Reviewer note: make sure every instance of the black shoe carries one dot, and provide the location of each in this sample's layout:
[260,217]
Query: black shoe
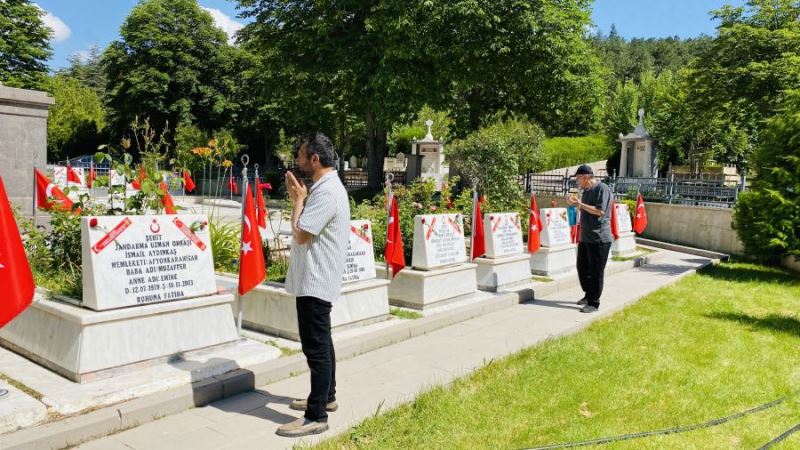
[589,309]
[582,301]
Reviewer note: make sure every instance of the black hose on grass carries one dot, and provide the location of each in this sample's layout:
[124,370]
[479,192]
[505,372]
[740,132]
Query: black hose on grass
[782,436]
[676,430]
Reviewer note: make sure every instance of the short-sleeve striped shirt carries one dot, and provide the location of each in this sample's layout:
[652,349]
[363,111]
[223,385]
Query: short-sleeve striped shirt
[315,269]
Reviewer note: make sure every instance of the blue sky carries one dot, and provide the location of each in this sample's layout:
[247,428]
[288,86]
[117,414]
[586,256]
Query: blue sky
[78,24]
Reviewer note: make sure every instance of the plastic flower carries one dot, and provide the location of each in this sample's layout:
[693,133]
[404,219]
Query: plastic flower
[227,163]
[212,143]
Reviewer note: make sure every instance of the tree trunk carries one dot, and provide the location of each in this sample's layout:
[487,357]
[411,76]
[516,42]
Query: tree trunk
[376,151]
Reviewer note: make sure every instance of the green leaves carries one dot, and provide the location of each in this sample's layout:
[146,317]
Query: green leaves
[25,45]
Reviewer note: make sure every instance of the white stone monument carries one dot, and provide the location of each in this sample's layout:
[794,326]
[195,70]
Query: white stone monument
[505,263]
[639,157]
[558,253]
[432,165]
[363,299]
[625,244]
[149,281]
[439,271]
[353,162]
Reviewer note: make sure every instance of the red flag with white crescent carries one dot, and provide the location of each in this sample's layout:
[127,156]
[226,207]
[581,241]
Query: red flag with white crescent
[478,235]
[169,205]
[46,190]
[640,217]
[72,175]
[393,251]
[252,270]
[261,208]
[188,181]
[534,227]
[16,277]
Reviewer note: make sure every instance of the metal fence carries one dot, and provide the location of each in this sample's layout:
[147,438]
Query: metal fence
[356,178]
[717,191]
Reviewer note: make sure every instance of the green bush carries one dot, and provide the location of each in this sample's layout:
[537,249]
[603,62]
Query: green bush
[401,138]
[225,242]
[101,181]
[767,217]
[495,156]
[570,151]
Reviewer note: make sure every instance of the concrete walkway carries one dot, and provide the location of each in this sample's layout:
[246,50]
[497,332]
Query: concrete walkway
[384,378]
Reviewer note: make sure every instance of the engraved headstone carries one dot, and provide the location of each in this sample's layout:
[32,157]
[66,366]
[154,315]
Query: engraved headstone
[137,260]
[503,233]
[360,262]
[555,222]
[623,218]
[438,241]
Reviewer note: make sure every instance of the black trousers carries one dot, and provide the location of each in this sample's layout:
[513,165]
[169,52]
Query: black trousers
[592,258]
[314,323]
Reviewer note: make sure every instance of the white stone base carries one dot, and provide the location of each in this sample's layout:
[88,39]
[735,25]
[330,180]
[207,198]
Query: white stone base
[83,345]
[554,260]
[625,245]
[270,309]
[502,273]
[420,289]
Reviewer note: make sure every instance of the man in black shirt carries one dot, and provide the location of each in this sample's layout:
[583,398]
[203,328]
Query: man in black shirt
[595,236]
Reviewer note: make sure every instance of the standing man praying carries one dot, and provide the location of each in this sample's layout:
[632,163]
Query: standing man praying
[320,234]
[595,236]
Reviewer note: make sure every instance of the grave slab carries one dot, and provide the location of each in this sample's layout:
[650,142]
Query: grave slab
[83,345]
[625,245]
[554,260]
[421,289]
[497,274]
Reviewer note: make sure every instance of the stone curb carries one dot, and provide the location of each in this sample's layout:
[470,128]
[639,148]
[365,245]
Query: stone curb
[683,249]
[113,419]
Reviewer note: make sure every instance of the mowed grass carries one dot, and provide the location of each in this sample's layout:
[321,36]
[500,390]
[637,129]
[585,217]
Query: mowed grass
[713,344]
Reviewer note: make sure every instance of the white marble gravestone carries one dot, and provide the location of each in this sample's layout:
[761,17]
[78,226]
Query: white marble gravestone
[137,260]
[623,217]
[557,254]
[625,244]
[504,264]
[115,178]
[360,262]
[438,241]
[556,229]
[503,233]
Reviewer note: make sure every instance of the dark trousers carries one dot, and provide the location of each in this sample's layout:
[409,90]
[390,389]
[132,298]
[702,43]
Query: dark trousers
[592,258]
[314,322]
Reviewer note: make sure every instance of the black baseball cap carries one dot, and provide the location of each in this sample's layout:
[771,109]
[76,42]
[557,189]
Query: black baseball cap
[584,170]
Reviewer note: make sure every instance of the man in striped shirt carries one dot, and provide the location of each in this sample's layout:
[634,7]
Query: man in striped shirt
[320,227]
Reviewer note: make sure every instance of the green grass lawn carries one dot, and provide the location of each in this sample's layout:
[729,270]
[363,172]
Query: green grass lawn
[711,345]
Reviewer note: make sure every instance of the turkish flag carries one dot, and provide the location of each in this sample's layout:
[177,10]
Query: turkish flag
[15,273]
[252,270]
[169,206]
[534,227]
[91,178]
[614,222]
[188,182]
[261,208]
[45,189]
[232,186]
[393,251]
[72,175]
[478,238]
[640,218]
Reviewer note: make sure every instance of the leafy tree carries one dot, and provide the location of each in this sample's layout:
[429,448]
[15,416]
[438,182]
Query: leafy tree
[767,217]
[172,65]
[380,61]
[88,70]
[76,122]
[24,46]
[742,79]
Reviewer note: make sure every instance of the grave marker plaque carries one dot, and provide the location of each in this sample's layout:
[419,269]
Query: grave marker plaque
[503,233]
[360,263]
[556,227]
[438,241]
[138,260]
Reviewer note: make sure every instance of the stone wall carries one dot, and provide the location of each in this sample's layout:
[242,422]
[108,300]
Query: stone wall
[693,226]
[23,139]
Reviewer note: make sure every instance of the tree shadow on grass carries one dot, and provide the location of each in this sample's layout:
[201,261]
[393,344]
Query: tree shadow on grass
[771,322]
[750,273]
